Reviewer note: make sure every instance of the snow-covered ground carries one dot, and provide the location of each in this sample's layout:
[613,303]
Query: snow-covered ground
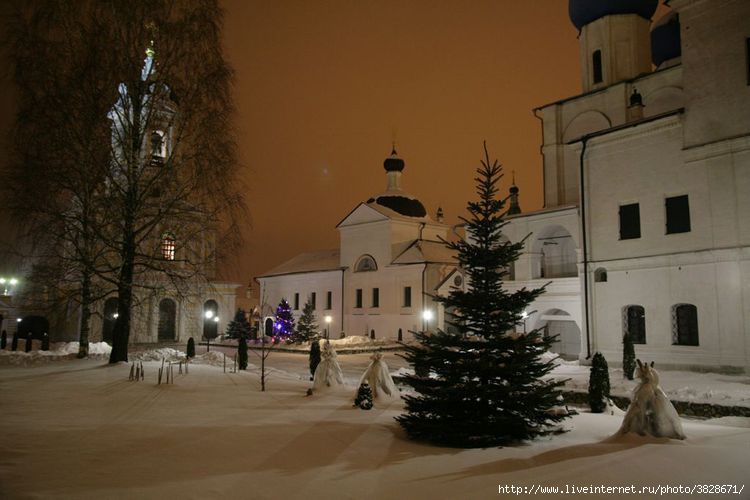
[80,429]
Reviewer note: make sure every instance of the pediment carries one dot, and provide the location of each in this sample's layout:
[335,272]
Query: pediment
[362,214]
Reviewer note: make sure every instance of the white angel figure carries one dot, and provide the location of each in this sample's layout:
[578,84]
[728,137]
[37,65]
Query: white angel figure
[651,412]
[378,377]
[328,373]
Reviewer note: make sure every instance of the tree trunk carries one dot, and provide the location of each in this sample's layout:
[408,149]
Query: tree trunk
[83,341]
[121,333]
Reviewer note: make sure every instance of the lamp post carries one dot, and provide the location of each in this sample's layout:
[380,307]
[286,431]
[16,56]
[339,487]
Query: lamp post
[328,320]
[525,315]
[427,316]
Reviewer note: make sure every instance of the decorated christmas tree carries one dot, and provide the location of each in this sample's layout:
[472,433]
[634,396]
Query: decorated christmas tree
[364,397]
[598,384]
[239,326]
[484,385]
[283,327]
[307,328]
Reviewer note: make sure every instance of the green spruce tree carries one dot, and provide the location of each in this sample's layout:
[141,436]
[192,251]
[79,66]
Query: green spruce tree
[598,383]
[191,348]
[314,357]
[628,356]
[239,326]
[307,327]
[242,353]
[485,385]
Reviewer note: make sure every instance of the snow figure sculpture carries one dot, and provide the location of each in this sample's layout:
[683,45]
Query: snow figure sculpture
[328,373]
[651,412]
[378,377]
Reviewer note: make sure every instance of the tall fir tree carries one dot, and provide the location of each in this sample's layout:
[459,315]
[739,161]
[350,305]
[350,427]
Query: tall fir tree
[283,327]
[239,327]
[484,385]
[628,356]
[598,383]
[307,327]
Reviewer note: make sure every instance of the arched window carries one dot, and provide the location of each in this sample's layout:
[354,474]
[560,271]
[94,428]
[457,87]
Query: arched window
[365,263]
[634,323]
[600,275]
[684,324]
[168,246]
[158,145]
[596,66]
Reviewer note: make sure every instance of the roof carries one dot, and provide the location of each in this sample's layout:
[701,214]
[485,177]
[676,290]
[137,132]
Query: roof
[426,251]
[309,262]
[623,126]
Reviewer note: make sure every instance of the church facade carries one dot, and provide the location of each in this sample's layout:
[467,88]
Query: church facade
[646,224]
[382,280]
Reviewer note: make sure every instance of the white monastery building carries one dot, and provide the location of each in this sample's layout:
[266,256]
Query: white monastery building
[389,266]
[646,223]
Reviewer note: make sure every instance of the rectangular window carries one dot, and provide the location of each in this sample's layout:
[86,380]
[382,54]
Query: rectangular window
[312,300]
[596,63]
[376,297]
[630,221]
[358,298]
[678,214]
[685,324]
[329,300]
[296,301]
[407,296]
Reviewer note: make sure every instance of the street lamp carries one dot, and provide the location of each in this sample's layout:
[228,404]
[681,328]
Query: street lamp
[427,316]
[209,314]
[328,319]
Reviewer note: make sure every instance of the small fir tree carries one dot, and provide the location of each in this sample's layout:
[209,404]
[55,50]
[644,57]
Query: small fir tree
[364,397]
[14,342]
[239,326]
[191,348]
[598,384]
[314,357]
[283,327]
[628,356]
[485,385]
[242,353]
[3,340]
[307,327]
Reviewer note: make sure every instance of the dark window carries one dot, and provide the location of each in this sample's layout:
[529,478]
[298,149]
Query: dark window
[600,275]
[329,300]
[630,221]
[747,58]
[376,297]
[407,296]
[296,301]
[685,325]
[312,299]
[358,298]
[678,214]
[596,61]
[635,324]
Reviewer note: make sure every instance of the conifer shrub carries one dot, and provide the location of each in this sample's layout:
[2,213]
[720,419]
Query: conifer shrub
[598,384]
[314,357]
[628,357]
[242,353]
[3,340]
[191,348]
[364,397]
[28,343]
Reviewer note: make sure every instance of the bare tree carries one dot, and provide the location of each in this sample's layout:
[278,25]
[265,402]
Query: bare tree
[165,188]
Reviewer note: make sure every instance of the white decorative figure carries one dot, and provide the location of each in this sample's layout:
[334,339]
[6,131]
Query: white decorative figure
[651,412]
[328,373]
[378,377]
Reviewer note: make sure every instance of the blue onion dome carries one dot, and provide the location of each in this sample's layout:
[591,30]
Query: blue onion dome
[583,12]
[393,163]
[665,39]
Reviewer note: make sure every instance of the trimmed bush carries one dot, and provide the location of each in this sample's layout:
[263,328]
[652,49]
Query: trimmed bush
[191,348]
[45,342]
[598,384]
[314,357]
[242,353]
[364,397]
[3,340]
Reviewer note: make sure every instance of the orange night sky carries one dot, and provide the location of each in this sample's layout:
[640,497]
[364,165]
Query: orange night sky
[323,88]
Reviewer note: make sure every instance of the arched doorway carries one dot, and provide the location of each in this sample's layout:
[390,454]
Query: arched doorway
[167,320]
[34,326]
[109,319]
[210,319]
[560,323]
[554,251]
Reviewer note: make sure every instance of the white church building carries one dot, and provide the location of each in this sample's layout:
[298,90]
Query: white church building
[382,280]
[646,223]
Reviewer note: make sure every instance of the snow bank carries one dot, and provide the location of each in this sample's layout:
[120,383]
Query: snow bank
[165,353]
[60,351]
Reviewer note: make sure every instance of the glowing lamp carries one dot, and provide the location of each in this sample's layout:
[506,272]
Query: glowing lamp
[427,315]
[209,314]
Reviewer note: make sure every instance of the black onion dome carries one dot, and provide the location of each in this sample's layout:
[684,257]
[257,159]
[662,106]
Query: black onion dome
[513,189]
[393,163]
[665,39]
[410,207]
[583,12]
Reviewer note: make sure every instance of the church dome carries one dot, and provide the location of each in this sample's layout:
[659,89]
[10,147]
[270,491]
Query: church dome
[665,39]
[400,203]
[583,12]
[393,163]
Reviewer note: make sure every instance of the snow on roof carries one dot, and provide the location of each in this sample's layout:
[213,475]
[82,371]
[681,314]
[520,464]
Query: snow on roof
[426,251]
[322,260]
